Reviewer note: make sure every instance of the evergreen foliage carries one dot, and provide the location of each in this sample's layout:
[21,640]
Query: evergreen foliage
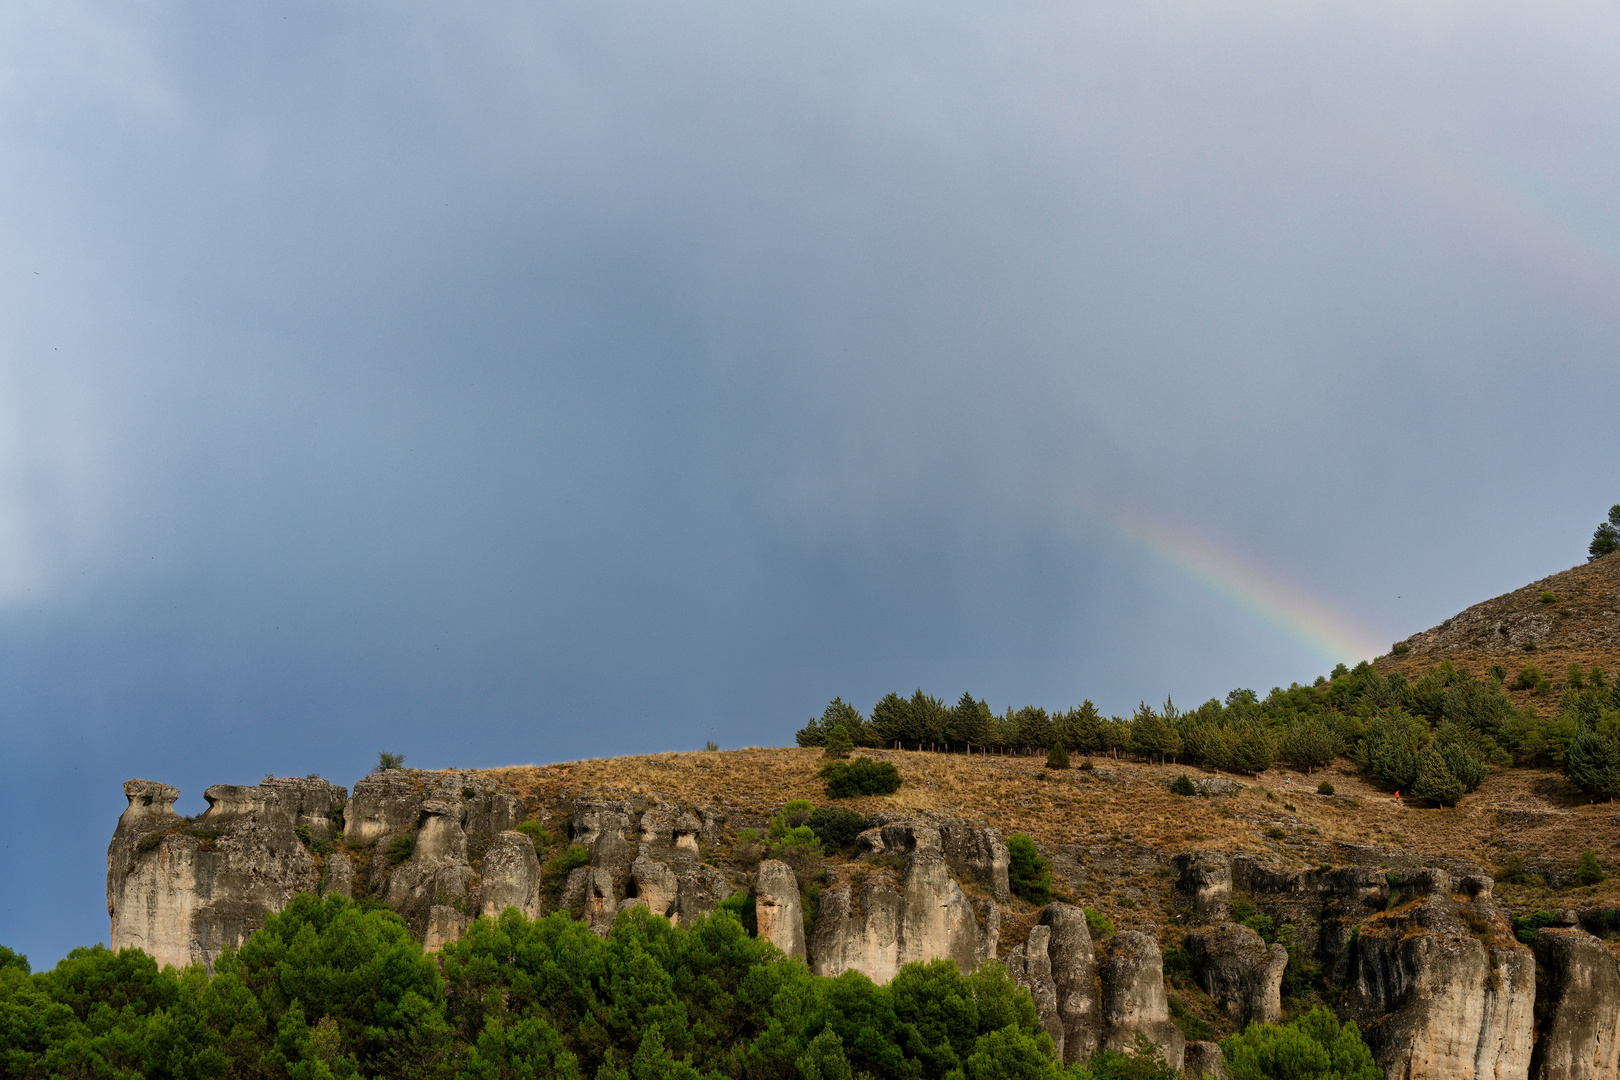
[1607,536]
[863,776]
[1435,781]
[1314,1047]
[1028,874]
[836,827]
[1057,757]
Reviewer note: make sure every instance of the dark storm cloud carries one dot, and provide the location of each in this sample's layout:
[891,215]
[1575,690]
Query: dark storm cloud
[580,379]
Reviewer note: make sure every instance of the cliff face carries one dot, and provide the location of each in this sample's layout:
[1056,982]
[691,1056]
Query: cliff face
[186,890]
[1429,967]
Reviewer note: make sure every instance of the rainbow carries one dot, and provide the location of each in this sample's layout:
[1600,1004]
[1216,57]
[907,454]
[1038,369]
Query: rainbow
[1330,634]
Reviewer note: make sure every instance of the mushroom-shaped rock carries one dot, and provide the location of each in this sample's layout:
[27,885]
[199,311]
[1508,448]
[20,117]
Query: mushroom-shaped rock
[511,874]
[776,907]
[1239,971]
[1578,999]
[148,799]
[1133,999]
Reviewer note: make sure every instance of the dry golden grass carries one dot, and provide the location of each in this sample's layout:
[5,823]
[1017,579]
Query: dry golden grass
[1088,820]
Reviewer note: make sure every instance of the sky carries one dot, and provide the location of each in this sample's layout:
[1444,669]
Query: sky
[511,383]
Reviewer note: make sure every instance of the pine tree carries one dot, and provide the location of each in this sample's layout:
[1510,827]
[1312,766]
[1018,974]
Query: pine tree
[1593,758]
[839,743]
[1607,536]
[1435,781]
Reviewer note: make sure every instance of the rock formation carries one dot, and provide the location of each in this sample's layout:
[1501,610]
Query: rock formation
[511,876]
[1441,987]
[1056,965]
[925,915]
[184,890]
[1239,971]
[1204,1060]
[1577,1007]
[777,909]
[1133,999]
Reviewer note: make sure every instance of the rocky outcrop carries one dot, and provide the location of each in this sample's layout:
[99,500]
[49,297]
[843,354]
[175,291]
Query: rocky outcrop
[1204,1061]
[339,879]
[1133,998]
[185,890]
[593,895]
[1206,878]
[1239,971]
[311,803]
[384,804]
[1577,1007]
[511,876]
[923,916]
[1056,965]
[1440,986]
[777,909]
[971,852]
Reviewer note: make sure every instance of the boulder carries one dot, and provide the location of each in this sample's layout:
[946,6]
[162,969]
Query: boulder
[777,909]
[701,888]
[1239,971]
[1577,1007]
[511,876]
[1133,998]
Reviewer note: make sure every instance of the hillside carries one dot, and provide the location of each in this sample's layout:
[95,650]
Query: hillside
[1111,831]
[1579,625]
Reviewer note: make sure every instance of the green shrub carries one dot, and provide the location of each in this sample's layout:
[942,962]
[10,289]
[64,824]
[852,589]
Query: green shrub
[1145,1061]
[557,870]
[863,776]
[1589,871]
[1401,648]
[1576,677]
[1324,788]
[836,826]
[389,761]
[1512,871]
[1497,672]
[1436,782]
[1028,874]
[1314,1047]
[1549,598]
[1182,785]
[1543,688]
[710,746]
[838,744]
[1525,926]
[1531,646]
[536,833]
[400,848]
[1528,677]
[1100,925]
[1057,757]
[1086,765]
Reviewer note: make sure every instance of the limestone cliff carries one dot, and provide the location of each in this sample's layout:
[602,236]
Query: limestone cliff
[184,890]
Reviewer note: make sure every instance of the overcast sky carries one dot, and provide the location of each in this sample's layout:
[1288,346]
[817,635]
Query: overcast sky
[525,382]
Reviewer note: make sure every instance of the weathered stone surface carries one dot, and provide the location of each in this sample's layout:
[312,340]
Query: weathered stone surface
[311,802]
[777,908]
[1440,985]
[972,852]
[657,886]
[511,876]
[701,888]
[384,803]
[1133,999]
[604,827]
[444,925]
[1204,1060]
[339,880]
[1215,786]
[1206,877]
[1239,972]
[201,886]
[1057,966]
[592,892]
[1577,1007]
[926,917]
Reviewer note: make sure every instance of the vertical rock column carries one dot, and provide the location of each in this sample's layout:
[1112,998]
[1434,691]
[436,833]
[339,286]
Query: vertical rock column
[777,909]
